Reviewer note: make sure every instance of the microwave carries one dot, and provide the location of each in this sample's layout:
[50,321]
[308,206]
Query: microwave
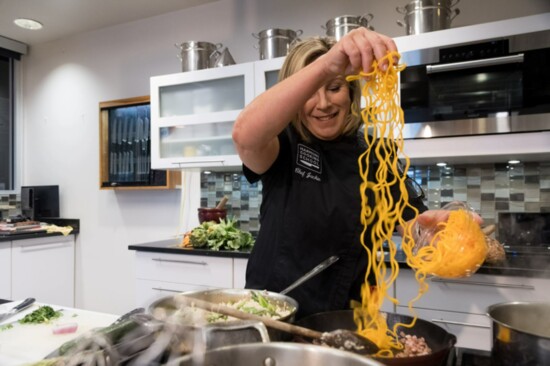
[493,86]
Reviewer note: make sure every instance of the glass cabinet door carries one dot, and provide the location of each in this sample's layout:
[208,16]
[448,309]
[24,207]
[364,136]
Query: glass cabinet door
[193,115]
[267,73]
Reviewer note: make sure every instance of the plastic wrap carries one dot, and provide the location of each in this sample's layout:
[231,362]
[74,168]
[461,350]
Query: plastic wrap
[454,247]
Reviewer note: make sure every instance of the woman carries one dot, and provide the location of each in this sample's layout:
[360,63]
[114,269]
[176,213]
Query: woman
[301,139]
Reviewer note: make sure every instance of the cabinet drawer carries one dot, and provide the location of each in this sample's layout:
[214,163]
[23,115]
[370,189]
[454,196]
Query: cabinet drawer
[199,270]
[473,294]
[148,291]
[471,330]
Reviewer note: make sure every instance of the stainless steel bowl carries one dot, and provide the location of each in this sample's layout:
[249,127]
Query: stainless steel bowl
[162,309]
[275,353]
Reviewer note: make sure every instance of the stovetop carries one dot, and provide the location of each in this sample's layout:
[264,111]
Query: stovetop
[469,357]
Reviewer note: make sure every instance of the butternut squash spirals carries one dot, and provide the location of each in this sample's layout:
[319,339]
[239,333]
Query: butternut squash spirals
[384,122]
[447,255]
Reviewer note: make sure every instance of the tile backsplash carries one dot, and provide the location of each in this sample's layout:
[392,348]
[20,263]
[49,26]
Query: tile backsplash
[10,205]
[488,188]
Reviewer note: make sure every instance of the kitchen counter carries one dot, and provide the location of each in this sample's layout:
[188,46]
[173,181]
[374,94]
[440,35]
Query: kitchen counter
[172,246]
[74,223]
[523,265]
[27,343]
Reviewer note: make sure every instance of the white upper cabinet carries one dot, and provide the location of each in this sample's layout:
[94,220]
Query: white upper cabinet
[192,116]
[266,73]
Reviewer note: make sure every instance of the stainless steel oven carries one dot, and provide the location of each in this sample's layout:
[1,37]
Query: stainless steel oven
[492,86]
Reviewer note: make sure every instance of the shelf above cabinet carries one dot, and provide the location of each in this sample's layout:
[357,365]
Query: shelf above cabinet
[125,147]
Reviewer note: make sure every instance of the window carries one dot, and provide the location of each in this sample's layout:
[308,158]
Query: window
[7,176]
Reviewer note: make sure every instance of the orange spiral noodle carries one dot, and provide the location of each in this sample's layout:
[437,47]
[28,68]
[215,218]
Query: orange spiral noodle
[384,121]
[455,248]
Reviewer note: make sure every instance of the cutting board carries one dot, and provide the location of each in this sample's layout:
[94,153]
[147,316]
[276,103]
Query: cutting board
[27,343]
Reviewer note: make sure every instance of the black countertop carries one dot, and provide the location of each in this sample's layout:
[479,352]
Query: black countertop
[74,223]
[524,265]
[172,246]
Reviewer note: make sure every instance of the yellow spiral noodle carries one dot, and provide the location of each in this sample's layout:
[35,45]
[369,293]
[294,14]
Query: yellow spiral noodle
[383,119]
[447,254]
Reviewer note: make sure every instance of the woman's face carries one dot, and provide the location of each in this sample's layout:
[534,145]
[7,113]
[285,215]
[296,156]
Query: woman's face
[324,113]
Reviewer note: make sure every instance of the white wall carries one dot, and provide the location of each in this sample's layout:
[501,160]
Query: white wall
[65,80]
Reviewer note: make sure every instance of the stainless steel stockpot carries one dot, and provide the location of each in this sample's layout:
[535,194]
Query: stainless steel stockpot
[521,333]
[196,55]
[340,26]
[276,353]
[276,42]
[421,16]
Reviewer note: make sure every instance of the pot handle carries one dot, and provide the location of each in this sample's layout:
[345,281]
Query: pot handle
[400,23]
[178,46]
[456,11]
[257,36]
[218,46]
[454,3]
[299,32]
[368,17]
[401,10]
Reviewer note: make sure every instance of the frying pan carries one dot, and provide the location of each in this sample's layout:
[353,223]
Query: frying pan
[439,340]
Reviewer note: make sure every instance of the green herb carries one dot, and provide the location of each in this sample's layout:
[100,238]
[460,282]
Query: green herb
[220,236]
[264,303]
[6,327]
[41,315]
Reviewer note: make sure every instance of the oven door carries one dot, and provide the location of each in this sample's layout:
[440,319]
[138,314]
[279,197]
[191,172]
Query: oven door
[502,94]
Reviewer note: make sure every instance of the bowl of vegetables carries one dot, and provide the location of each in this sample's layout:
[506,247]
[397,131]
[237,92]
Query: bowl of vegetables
[261,303]
[222,235]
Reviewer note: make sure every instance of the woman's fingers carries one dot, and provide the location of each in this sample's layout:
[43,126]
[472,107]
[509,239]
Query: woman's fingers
[431,218]
[358,49]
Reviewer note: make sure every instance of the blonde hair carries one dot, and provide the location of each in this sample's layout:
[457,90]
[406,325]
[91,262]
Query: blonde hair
[302,54]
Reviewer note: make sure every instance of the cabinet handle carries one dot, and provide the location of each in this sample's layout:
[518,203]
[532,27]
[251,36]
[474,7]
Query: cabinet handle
[166,290]
[450,322]
[37,247]
[430,69]
[180,261]
[503,285]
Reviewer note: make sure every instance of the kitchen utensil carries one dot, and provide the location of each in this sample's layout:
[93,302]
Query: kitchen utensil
[314,272]
[339,338]
[23,305]
[211,214]
[198,55]
[164,308]
[339,26]
[224,59]
[421,16]
[438,339]
[521,333]
[276,42]
[221,204]
[276,353]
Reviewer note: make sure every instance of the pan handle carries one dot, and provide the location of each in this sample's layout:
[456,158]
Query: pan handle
[450,322]
[314,272]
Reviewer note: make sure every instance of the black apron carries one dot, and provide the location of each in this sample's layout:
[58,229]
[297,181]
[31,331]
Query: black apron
[310,211]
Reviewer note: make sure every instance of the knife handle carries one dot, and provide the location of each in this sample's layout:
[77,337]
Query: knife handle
[24,304]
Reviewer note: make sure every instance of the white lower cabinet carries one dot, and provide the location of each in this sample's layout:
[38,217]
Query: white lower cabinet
[5,270]
[163,274]
[239,272]
[43,268]
[459,305]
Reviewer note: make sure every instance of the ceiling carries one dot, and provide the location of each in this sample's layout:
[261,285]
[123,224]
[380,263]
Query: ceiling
[63,18]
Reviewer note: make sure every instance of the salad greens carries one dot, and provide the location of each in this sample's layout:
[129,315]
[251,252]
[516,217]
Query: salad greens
[265,308]
[41,315]
[220,236]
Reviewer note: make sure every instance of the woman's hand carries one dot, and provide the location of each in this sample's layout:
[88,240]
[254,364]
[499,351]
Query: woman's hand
[356,51]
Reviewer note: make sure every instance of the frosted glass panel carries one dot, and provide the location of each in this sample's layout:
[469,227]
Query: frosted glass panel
[271,78]
[202,97]
[197,140]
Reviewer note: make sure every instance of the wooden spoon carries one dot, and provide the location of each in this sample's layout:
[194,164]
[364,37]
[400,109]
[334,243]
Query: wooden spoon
[340,338]
[221,204]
